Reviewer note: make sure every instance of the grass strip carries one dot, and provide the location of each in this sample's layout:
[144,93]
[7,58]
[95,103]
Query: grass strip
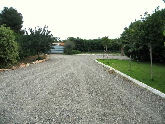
[140,71]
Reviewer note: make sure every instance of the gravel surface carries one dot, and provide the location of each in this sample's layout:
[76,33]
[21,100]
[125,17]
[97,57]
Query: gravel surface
[75,89]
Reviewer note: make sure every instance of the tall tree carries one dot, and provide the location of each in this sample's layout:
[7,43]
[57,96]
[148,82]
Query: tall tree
[105,42]
[153,30]
[132,39]
[144,38]
[11,18]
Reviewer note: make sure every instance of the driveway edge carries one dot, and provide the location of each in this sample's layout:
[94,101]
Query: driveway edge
[135,81]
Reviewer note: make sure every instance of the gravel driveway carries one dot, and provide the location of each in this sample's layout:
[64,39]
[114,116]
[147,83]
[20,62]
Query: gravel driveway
[75,89]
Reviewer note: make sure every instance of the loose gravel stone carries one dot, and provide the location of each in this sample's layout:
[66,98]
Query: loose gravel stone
[75,89]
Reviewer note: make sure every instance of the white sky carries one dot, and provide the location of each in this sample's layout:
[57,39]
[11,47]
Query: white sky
[87,19]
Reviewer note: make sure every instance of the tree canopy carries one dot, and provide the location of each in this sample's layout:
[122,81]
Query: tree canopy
[142,34]
[38,40]
[94,45]
[11,18]
[105,42]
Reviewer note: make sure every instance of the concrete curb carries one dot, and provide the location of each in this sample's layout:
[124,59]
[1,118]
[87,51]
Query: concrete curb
[135,81]
[89,54]
[100,54]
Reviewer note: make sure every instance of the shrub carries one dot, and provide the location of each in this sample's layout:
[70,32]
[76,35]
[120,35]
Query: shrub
[68,47]
[76,52]
[8,46]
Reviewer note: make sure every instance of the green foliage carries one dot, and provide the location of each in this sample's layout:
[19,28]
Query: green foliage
[94,45]
[11,18]
[142,34]
[84,45]
[8,46]
[133,44]
[115,45]
[68,47]
[37,41]
[19,40]
[141,72]
[76,52]
[105,42]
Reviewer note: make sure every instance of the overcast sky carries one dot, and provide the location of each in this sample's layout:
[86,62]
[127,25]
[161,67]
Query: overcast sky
[87,19]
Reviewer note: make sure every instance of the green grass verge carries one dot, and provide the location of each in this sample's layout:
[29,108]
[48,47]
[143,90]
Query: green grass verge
[140,71]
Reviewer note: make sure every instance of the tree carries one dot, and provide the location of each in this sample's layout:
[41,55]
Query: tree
[144,38]
[105,42]
[38,41]
[8,46]
[11,18]
[92,45]
[120,45]
[142,34]
[132,39]
[115,44]
[68,47]
[153,29]
[164,37]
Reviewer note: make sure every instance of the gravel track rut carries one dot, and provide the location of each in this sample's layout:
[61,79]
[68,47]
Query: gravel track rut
[75,89]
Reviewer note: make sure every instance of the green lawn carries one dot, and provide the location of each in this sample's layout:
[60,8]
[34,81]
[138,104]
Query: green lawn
[140,71]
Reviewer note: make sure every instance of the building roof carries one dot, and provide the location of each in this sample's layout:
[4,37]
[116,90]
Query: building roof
[59,44]
[62,44]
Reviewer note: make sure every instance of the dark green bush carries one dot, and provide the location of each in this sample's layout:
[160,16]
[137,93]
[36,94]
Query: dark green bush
[76,52]
[8,46]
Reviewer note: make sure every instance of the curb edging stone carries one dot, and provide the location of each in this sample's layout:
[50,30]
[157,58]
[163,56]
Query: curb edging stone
[135,81]
[22,65]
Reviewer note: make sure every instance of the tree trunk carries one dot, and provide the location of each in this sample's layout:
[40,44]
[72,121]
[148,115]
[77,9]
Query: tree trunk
[106,48]
[122,50]
[130,64]
[38,55]
[151,69]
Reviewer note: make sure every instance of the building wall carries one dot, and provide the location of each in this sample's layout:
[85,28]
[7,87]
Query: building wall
[57,49]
